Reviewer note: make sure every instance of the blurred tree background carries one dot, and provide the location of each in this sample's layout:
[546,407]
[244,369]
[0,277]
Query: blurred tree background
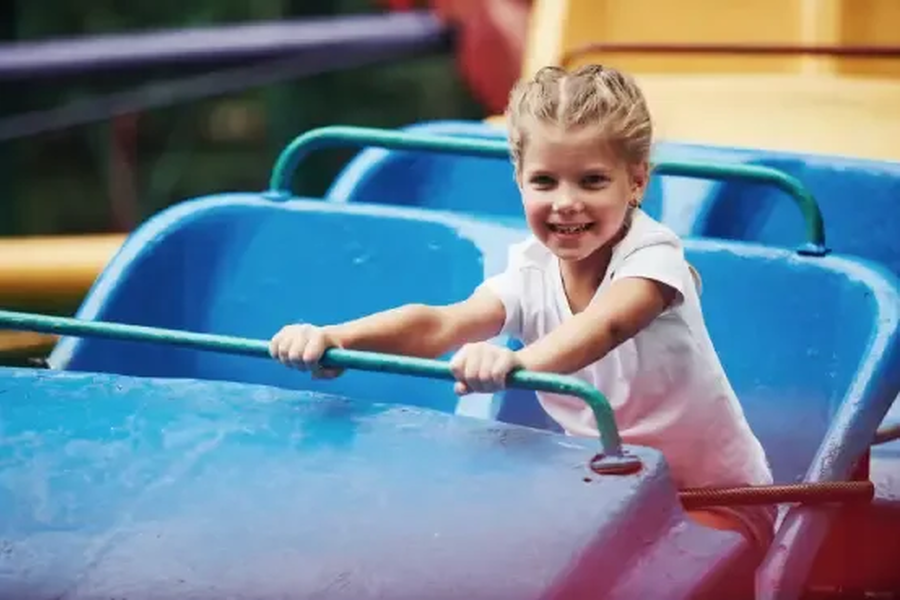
[111,175]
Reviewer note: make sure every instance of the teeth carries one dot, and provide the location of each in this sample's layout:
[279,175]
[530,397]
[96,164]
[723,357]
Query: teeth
[569,228]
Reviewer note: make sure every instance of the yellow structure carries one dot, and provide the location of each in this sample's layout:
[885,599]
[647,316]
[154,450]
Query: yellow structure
[48,272]
[59,267]
[831,105]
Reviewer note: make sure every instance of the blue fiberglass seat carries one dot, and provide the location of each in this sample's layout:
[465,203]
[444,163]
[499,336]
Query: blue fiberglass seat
[242,265]
[251,463]
[860,202]
[812,348]
[859,199]
[207,265]
[467,184]
[114,486]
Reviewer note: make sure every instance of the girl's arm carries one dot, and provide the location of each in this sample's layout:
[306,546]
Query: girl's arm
[629,305]
[421,330]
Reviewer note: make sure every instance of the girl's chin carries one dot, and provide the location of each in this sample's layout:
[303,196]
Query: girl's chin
[583,243]
[571,257]
[573,253]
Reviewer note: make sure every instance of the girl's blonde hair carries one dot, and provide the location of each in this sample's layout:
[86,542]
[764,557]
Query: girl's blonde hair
[590,96]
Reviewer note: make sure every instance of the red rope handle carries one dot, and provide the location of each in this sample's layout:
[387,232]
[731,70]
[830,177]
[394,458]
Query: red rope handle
[825,492]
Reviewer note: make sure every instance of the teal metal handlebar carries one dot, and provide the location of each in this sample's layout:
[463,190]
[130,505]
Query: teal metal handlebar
[802,197]
[613,459]
[329,137]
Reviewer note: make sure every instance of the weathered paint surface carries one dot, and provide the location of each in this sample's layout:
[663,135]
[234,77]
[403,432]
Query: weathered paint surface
[240,264]
[127,488]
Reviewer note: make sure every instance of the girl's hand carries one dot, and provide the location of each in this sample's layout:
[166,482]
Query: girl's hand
[302,346]
[482,367]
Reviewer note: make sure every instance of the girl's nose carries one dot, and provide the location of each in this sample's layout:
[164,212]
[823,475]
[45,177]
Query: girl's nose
[565,203]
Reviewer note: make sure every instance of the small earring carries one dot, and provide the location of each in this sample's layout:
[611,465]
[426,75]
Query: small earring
[634,203]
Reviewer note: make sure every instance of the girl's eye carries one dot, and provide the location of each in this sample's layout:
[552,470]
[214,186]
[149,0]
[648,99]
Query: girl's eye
[594,180]
[543,181]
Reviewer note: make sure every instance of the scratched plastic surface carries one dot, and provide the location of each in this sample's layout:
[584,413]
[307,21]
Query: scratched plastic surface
[114,487]
[805,340]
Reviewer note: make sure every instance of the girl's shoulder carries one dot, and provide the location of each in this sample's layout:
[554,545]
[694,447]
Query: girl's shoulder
[646,231]
[653,250]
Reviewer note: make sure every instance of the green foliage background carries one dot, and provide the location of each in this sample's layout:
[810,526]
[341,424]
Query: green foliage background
[58,182]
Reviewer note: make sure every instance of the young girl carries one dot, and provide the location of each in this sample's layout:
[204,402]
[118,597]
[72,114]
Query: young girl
[600,290]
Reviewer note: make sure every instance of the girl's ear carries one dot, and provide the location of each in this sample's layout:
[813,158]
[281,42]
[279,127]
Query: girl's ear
[640,177]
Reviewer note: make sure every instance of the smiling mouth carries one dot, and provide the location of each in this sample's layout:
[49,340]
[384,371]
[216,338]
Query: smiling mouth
[569,229]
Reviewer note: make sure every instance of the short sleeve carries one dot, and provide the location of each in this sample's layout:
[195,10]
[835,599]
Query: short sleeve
[508,287]
[661,261]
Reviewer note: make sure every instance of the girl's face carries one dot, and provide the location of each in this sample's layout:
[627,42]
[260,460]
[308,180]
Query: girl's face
[576,192]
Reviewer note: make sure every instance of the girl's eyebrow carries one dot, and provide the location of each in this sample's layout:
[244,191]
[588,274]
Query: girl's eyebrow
[599,166]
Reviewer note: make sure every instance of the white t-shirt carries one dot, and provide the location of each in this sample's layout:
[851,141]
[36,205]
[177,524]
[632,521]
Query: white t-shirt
[665,384]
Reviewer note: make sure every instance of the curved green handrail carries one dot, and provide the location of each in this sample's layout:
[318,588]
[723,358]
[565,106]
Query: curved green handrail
[610,441]
[337,135]
[809,208]
[326,137]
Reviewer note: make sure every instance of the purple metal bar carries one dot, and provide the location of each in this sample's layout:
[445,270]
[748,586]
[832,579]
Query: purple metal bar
[159,94]
[218,45]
